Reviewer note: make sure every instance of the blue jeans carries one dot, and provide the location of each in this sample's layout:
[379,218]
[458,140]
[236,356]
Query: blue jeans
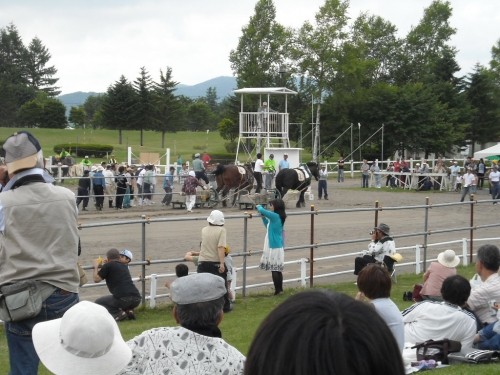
[22,355]
[490,340]
[365,180]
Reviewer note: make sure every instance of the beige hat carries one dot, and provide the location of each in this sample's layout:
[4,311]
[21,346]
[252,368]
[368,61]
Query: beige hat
[448,258]
[22,151]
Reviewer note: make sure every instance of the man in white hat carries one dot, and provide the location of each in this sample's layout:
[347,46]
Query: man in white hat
[33,247]
[199,168]
[196,346]
[212,250]
[454,170]
[86,340]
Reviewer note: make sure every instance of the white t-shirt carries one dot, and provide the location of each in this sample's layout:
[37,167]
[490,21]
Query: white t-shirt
[494,176]
[259,166]
[438,320]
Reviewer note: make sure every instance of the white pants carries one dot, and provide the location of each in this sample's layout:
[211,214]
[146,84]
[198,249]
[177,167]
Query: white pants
[190,201]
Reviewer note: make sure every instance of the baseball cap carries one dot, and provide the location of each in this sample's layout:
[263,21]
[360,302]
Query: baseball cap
[22,151]
[197,287]
[127,253]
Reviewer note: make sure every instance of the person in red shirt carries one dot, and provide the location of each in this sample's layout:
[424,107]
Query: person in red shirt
[206,159]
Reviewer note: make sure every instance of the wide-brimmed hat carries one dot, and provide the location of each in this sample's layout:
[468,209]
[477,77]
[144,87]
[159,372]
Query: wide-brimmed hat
[22,151]
[448,258]
[384,228]
[196,288]
[86,340]
[216,218]
[192,174]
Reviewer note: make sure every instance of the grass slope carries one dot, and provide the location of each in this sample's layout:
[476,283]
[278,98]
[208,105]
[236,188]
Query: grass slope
[183,143]
[239,326]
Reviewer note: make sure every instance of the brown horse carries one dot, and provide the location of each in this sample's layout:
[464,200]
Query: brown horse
[233,177]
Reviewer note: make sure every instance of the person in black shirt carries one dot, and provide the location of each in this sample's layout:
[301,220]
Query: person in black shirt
[83,190]
[124,294]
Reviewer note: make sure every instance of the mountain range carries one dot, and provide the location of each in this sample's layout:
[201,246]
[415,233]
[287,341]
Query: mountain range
[224,86]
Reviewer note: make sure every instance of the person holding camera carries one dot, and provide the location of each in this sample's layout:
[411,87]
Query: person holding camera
[380,249]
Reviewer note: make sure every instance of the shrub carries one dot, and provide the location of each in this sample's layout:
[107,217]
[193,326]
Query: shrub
[81,149]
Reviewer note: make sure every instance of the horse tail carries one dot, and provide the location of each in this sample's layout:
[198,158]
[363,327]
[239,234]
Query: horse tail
[219,170]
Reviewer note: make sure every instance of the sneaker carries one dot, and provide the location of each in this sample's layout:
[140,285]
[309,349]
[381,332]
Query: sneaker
[130,314]
[122,315]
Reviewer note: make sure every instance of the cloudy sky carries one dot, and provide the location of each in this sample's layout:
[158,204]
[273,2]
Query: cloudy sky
[93,42]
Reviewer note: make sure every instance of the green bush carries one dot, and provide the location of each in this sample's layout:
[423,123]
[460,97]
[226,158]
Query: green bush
[82,149]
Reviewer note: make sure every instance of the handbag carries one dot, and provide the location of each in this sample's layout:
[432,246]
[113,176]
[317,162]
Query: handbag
[20,301]
[82,274]
[437,350]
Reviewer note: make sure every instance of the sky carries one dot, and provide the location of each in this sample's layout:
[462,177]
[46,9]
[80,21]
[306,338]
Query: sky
[94,42]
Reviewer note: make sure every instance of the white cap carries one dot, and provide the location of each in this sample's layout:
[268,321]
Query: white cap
[127,253]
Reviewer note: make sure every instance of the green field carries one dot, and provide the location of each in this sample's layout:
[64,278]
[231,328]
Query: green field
[183,143]
[239,326]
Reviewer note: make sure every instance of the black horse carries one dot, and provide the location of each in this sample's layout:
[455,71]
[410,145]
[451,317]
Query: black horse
[297,179]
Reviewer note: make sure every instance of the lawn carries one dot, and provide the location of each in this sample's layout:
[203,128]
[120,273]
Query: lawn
[183,143]
[239,326]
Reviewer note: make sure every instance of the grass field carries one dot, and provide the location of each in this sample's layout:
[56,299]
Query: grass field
[183,143]
[239,326]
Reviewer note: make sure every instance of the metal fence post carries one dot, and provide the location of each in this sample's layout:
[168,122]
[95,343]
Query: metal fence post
[376,215]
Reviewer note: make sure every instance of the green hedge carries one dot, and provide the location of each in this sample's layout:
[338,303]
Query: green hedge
[82,149]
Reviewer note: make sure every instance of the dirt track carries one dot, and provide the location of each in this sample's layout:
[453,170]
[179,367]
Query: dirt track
[170,240]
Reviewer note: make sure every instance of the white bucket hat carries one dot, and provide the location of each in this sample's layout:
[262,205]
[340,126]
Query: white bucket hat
[192,174]
[86,340]
[448,258]
[216,218]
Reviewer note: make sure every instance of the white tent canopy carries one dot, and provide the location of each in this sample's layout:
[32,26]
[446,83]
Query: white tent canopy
[490,151]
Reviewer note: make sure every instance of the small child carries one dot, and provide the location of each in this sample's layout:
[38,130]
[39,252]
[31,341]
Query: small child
[458,183]
[181,270]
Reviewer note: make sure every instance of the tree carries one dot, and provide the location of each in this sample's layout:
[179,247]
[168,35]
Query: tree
[227,129]
[77,116]
[43,112]
[93,107]
[426,42]
[200,117]
[119,105]
[144,111]
[211,99]
[14,91]
[166,104]
[261,49]
[485,115]
[39,75]
[317,53]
